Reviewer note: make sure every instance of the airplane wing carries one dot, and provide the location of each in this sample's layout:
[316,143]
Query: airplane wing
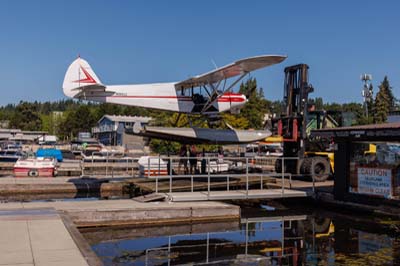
[240,67]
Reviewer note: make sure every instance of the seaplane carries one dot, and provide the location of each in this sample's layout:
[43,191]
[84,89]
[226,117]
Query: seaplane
[207,94]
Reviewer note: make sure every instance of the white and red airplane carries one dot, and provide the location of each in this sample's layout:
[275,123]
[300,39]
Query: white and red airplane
[208,93]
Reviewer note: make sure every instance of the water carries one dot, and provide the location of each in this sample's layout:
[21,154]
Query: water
[262,237]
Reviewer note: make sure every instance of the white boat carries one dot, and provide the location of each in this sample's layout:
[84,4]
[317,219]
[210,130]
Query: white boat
[152,166]
[216,166]
[35,167]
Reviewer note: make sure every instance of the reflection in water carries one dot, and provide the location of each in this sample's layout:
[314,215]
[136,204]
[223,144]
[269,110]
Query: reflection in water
[316,239]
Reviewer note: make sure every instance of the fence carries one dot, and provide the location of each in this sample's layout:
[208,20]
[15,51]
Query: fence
[169,169]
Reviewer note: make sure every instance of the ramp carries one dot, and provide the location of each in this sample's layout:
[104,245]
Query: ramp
[150,197]
[236,195]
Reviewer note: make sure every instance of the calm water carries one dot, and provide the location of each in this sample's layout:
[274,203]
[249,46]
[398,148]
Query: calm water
[300,237]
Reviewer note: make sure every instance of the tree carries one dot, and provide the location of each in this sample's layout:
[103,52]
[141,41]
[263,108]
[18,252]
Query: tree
[26,117]
[77,120]
[256,107]
[384,102]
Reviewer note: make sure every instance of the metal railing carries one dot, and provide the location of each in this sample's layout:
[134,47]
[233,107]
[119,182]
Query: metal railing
[108,165]
[161,169]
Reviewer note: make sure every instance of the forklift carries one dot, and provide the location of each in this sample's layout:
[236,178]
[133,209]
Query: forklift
[309,157]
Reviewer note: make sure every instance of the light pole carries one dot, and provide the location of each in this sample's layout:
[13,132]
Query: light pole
[367,91]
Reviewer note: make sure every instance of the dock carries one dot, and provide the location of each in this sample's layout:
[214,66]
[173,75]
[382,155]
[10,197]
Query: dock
[235,195]
[38,188]
[130,212]
[36,237]
[44,233]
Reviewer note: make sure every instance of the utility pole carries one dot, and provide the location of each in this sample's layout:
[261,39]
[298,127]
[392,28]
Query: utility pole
[367,91]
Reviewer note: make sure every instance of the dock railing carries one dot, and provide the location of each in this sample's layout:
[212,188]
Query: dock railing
[108,165]
[215,169]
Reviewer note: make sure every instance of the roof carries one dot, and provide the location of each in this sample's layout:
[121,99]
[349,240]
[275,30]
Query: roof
[395,125]
[372,131]
[125,118]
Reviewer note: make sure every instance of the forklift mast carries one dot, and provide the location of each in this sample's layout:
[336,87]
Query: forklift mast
[293,122]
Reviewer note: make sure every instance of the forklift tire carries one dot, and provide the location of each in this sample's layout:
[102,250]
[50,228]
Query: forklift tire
[322,169]
[290,166]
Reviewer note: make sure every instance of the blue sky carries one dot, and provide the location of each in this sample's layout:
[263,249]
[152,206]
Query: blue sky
[154,41]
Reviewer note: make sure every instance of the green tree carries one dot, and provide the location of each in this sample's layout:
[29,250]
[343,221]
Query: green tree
[235,122]
[384,102]
[256,107]
[77,120]
[26,117]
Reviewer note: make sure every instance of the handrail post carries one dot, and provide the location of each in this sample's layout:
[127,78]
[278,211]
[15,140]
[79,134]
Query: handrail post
[261,183]
[132,167]
[191,183]
[247,178]
[209,178]
[170,166]
[107,165]
[170,175]
[159,166]
[157,184]
[312,176]
[148,167]
[227,183]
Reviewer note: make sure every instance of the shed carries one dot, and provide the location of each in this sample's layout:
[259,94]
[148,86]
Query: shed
[367,162]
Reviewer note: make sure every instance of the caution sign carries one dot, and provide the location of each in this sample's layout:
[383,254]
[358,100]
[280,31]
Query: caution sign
[375,181]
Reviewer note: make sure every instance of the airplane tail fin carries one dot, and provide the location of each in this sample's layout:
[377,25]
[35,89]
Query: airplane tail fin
[80,76]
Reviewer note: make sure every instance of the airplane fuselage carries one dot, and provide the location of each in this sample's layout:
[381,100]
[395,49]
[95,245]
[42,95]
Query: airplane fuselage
[163,96]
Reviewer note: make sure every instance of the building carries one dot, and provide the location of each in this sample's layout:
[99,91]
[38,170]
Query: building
[110,130]
[20,136]
[367,160]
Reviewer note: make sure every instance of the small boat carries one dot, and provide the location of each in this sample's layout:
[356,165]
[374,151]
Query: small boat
[216,166]
[36,167]
[7,156]
[106,156]
[152,166]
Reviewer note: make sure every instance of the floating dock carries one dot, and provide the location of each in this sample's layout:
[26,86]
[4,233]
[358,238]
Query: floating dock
[36,237]
[44,233]
[130,212]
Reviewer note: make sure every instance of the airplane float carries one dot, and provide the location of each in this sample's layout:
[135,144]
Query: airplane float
[207,94]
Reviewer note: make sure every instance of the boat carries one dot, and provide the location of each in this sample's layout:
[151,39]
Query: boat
[216,167]
[7,156]
[36,167]
[152,166]
[105,156]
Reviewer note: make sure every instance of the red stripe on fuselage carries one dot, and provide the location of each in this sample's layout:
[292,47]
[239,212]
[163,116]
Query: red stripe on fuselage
[181,98]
